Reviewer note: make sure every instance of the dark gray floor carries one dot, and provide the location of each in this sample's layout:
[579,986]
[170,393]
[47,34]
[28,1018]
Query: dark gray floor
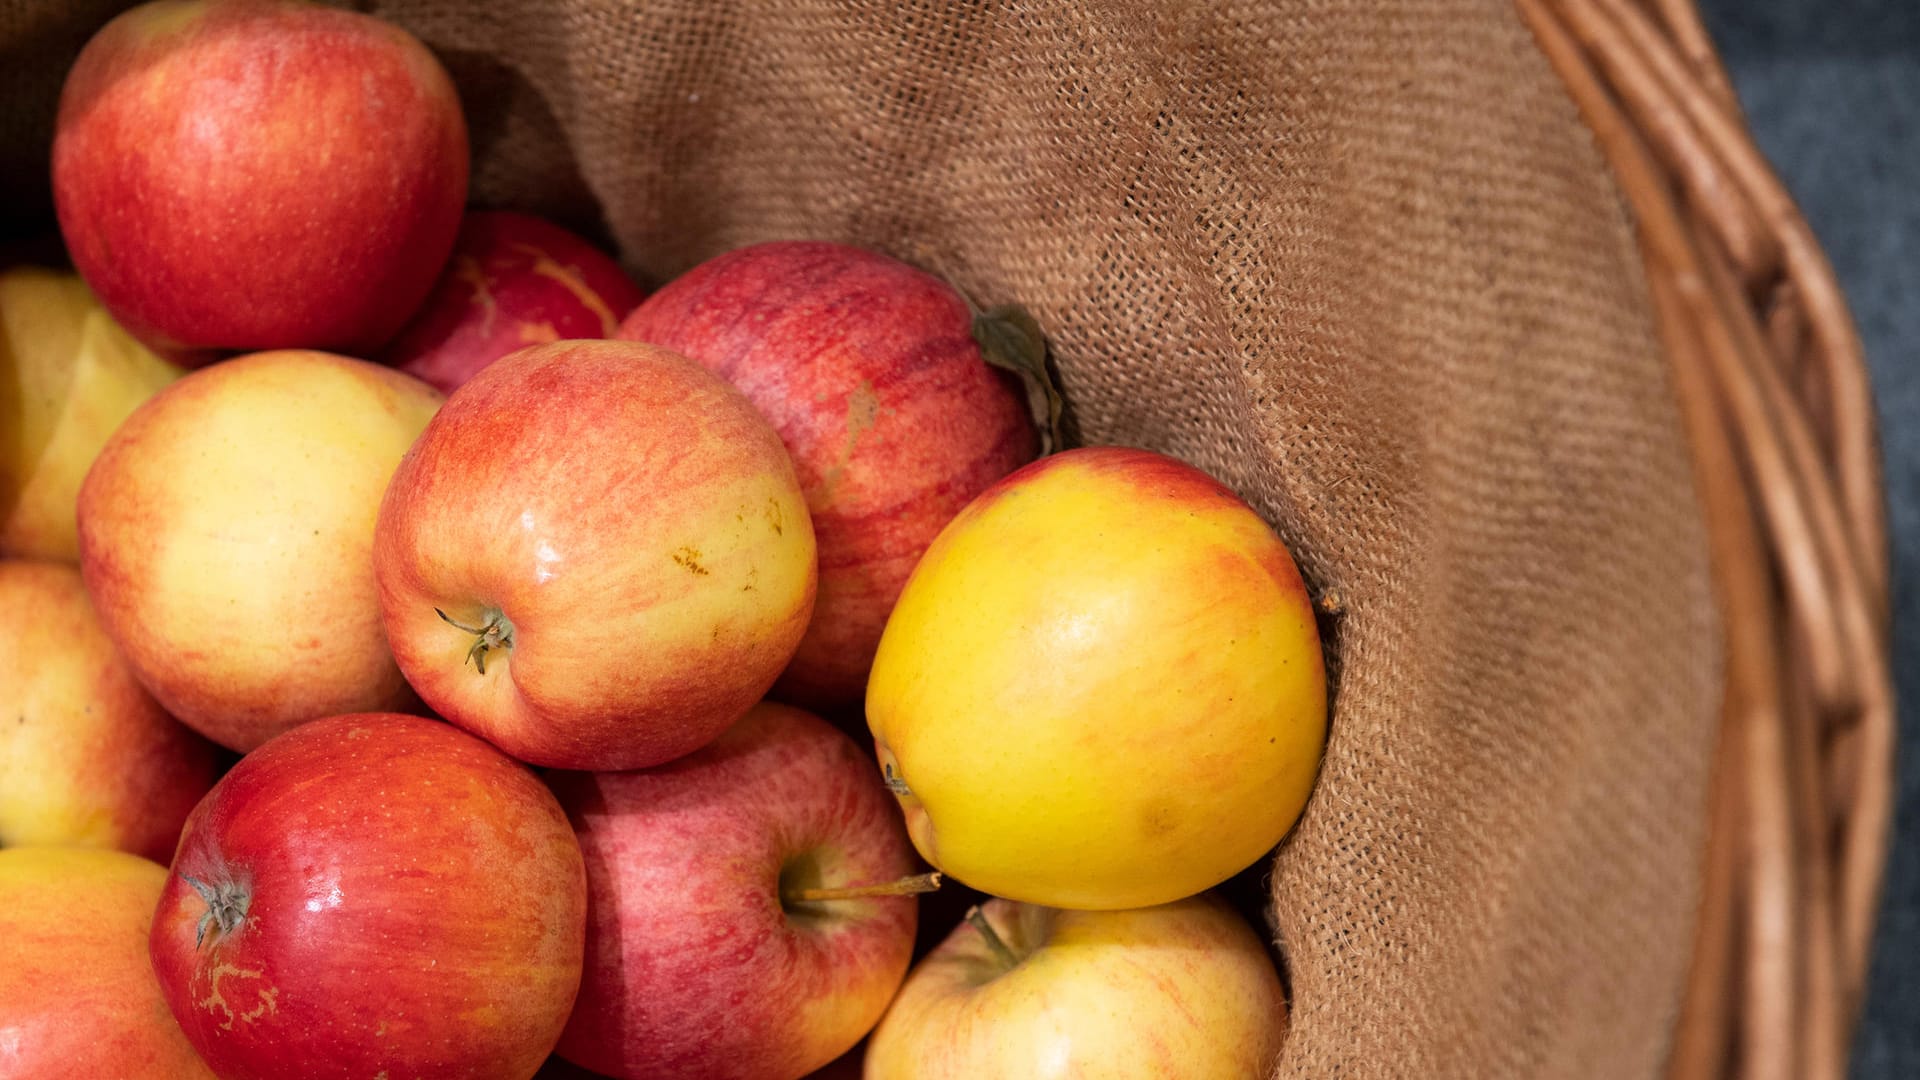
[1832,89]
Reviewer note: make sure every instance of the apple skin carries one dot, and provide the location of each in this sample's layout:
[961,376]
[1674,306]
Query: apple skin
[226,537]
[1183,990]
[868,369]
[632,530]
[69,375]
[1130,711]
[87,757]
[258,174]
[513,281]
[78,1000]
[695,969]
[408,900]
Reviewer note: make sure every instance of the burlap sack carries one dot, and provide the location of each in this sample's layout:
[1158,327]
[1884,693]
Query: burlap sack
[1359,259]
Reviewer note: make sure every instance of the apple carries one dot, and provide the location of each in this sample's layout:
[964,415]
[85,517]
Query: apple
[731,931]
[371,895]
[1174,991]
[68,375]
[226,537]
[868,370]
[513,281]
[596,556]
[77,992]
[87,757]
[1102,686]
[258,174]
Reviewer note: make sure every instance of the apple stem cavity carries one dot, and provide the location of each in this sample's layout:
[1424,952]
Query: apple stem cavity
[495,633]
[906,886]
[227,904]
[995,943]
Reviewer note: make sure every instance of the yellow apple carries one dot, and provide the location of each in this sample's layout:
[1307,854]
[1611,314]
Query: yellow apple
[68,375]
[1102,687]
[226,537]
[1182,991]
[78,997]
[87,758]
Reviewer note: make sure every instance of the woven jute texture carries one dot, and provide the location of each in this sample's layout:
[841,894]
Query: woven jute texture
[1359,259]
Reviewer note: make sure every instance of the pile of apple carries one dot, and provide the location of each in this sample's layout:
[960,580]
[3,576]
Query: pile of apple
[479,638]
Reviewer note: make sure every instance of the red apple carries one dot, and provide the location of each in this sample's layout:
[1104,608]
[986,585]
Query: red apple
[869,371]
[258,174]
[513,281]
[226,536]
[87,757]
[596,556]
[77,996]
[706,955]
[373,895]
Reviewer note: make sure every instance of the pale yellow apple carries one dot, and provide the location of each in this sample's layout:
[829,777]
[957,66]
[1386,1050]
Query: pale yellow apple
[1102,686]
[78,997]
[68,375]
[226,537]
[87,757]
[1182,991]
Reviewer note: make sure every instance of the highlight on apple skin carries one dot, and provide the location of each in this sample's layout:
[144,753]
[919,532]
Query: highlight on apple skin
[596,556]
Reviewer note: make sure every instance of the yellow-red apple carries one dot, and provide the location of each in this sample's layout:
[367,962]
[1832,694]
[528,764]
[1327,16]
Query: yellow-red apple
[868,369]
[78,1000]
[226,536]
[258,174]
[1183,990]
[720,942]
[513,281]
[596,556]
[1102,687]
[87,757]
[68,375]
[373,895]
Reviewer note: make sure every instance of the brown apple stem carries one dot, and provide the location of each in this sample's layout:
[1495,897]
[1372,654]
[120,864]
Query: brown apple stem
[906,886]
[496,633]
[893,781]
[995,942]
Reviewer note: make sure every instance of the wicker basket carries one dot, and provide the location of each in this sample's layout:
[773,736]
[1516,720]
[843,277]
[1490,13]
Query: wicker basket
[1768,367]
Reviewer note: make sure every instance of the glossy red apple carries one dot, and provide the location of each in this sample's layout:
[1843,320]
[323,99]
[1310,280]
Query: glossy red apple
[373,895]
[596,556]
[869,371]
[714,948]
[258,174]
[513,281]
[87,757]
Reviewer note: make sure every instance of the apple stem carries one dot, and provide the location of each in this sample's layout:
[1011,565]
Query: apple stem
[995,942]
[893,781]
[906,886]
[227,905]
[497,633]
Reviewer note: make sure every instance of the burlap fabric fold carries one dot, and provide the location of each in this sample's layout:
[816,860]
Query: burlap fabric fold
[1360,259]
